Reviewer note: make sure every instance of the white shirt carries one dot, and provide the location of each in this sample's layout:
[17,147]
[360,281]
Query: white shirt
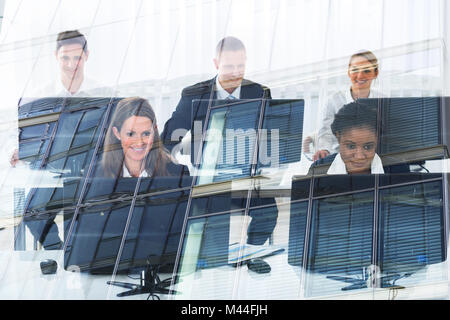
[126,173]
[222,94]
[338,166]
[325,138]
[89,88]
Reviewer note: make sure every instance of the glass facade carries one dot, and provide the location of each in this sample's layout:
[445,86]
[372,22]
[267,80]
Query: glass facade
[298,159]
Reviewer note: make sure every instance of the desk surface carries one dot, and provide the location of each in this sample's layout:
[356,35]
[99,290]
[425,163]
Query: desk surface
[21,278]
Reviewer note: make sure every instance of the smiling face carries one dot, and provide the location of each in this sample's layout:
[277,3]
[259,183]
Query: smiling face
[71,59]
[136,137]
[230,69]
[357,149]
[361,73]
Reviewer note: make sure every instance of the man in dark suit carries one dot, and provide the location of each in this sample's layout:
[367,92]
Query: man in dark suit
[196,100]
[193,109]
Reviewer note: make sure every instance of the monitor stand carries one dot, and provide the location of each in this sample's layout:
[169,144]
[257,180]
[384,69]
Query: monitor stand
[149,283]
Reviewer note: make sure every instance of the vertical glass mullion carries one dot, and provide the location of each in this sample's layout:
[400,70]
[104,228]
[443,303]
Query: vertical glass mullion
[124,236]
[306,243]
[249,194]
[262,112]
[356,253]
[83,191]
[413,250]
[375,235]
[33,191]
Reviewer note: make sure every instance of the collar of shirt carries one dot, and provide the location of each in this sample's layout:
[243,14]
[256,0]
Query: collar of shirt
[349,97]
[63,92]
[338,166]
[126,173]
[222,94]
[87,85]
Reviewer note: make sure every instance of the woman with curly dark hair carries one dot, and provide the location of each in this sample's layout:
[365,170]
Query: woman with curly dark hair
[355,128]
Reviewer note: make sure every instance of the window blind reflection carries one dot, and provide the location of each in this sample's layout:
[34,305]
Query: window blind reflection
[340,242]
[281,135]
[230,142]
[411,228]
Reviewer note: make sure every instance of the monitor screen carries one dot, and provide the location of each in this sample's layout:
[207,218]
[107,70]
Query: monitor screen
[116,231]
[408,124]
[350,222]
[58,139]
[244,138]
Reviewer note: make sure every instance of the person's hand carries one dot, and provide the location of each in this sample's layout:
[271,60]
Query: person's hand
[14,158]
[320,154]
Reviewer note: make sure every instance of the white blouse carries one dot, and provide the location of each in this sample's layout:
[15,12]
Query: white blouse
[126,173]
[338,166]
[325,138]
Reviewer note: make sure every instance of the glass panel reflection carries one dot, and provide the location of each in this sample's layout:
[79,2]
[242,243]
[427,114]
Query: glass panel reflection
[104,188]
[334,184]
[297,232]
[397,175]
[420,129]
[154,232]
[265,272]
[340,246]
[96,236]
[281,135]
[34,141]
[234,256]
[29,108]
[412,234]
[71,141]
[119,236]
[205,252]
[217,203]
[230,141]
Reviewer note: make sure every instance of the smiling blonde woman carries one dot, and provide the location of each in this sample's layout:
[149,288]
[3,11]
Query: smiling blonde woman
[362,70]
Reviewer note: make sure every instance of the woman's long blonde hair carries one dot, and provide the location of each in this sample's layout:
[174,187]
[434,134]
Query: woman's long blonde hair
[113,156]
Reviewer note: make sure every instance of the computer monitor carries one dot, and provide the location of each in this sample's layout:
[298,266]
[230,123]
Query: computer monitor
[116,230]
[350,222]
[244,138]
[412,124]
[58,139]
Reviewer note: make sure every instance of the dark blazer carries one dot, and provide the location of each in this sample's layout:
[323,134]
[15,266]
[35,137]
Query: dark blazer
[193,106]
[46,231]
[194,102]
[104,185]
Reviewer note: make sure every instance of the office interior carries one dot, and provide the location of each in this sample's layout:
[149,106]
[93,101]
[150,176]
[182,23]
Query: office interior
[375,237]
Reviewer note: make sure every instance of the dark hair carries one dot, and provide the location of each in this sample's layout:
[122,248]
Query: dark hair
[366,54]
[229,44]
[354,115]
[71,37]
[113,156]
